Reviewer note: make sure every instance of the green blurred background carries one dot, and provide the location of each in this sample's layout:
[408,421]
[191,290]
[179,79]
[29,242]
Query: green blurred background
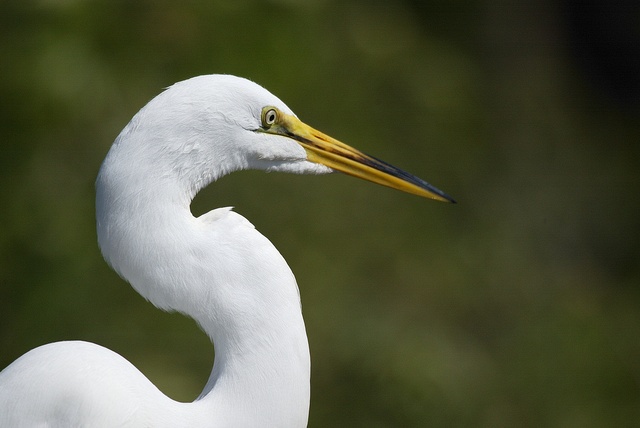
[520,306]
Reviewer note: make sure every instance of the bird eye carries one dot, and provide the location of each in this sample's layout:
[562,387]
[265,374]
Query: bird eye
[269,116]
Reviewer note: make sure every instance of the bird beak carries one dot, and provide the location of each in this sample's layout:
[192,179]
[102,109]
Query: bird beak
[328,151]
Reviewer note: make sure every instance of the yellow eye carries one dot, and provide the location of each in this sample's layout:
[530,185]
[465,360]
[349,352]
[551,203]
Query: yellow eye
[269,116]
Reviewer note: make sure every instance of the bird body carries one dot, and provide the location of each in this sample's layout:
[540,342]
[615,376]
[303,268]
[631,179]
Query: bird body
[77,384]
[215,268]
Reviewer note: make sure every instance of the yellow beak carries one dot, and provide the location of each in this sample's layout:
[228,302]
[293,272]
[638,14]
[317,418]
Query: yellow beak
[328,151]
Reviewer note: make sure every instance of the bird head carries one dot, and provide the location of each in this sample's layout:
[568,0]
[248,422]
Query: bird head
[208,126]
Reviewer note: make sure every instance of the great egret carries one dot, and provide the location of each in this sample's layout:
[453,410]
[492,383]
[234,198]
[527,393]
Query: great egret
[215,268]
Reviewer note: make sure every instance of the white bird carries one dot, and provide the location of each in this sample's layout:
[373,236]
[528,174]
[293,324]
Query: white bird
[216,268]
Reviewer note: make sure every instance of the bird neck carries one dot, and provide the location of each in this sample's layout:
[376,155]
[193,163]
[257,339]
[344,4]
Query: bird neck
[262,364]
[261,370]
[218,270]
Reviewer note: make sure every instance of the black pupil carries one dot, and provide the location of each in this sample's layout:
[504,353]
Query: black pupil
[271,117]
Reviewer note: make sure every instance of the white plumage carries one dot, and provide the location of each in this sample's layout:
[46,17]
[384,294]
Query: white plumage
[216,268]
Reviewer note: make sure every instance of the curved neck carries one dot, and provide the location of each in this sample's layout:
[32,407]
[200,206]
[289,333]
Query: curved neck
[218,270]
